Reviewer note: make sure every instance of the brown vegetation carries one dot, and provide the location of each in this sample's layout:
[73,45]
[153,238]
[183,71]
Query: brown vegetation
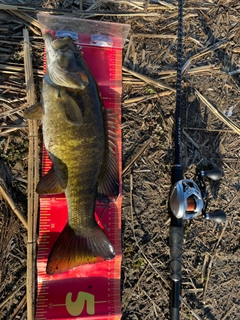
[211,90]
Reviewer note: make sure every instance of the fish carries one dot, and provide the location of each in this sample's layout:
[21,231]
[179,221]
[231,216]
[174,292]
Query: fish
[64,68]
[83,162]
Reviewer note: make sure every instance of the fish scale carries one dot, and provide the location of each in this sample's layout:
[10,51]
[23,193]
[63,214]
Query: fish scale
[84,164]
[102,281]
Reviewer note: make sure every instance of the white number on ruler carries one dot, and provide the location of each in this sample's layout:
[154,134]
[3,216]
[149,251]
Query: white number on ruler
[76,308]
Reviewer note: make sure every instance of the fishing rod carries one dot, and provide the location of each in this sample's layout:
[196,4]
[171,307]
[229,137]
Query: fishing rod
[188,198]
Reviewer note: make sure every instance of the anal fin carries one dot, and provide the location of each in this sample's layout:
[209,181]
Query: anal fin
[49,184]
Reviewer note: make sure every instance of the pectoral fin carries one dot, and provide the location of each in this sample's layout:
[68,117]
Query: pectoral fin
[49,184]
[69,109]
[34,112]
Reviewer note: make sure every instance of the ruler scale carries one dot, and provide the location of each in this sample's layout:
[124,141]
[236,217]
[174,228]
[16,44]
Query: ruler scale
[88,291]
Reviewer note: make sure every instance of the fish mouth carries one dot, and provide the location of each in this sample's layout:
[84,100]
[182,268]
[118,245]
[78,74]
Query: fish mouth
[61,44]
[65,65]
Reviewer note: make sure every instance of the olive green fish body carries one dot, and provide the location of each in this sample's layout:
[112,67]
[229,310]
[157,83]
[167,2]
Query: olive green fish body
[75,138]
[77,152]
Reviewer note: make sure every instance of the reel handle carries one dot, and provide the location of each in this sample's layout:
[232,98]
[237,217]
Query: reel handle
[218,216]
[213,174]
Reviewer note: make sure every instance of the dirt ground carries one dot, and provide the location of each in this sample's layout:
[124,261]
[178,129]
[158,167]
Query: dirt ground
[211,59]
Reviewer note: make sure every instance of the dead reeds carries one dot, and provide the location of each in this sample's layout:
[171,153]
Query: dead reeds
[218,113]
[211,37]
[13,206]
[33,174]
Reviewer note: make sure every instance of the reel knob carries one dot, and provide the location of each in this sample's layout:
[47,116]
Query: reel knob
[218,216]
[213,174]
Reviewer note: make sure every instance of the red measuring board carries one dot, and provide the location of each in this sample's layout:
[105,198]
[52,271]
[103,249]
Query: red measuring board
[88,291]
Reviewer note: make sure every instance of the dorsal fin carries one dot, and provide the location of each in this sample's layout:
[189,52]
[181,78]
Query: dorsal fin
[108,183]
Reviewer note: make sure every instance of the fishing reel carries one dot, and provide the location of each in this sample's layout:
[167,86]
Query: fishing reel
[189,199]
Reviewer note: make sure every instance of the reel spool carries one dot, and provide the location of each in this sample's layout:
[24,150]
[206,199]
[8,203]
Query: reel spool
[188,200]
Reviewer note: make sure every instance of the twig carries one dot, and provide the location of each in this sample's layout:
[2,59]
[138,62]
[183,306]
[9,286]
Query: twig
[148,80]
[189,308]
[13,206]
[154,305]
[130,3]
[12,89]
[233,200]
[14,7]
[33,169]
[3,133]
[127,299]
[208,50]
[7,144]
[155,35]
[191,139]
[207,129]
[163,5]
[229,312]
[134,236]
[171,24]
[120,14]
[196,290]
[146,97]
[12,294]
[18,126]
[81,5]
[16,69]
[136,156]
[128,50]
[167,74]
[212,259]
[31,22]
[204,266]
[12,111]
[20,305]
[85,12]
[218,113]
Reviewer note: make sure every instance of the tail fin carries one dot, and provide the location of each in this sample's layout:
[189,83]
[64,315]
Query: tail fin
[71,250]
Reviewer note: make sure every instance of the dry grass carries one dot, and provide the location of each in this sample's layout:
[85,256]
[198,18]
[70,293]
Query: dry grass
[211,120]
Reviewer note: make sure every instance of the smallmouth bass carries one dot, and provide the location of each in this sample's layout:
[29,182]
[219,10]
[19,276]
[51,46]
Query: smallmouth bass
[83,165]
